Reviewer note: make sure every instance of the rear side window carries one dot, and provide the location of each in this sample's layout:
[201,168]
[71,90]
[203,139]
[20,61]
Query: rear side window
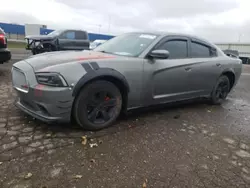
[199,50]
[177,48]
[81,35]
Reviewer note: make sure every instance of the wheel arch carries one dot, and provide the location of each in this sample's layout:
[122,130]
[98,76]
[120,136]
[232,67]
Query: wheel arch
[231,76]
[107,74]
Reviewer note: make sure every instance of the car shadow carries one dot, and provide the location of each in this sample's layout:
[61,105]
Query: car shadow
[124,119]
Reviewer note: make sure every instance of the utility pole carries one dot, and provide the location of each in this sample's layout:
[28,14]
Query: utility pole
[99,28]
[109,23]
[240,37]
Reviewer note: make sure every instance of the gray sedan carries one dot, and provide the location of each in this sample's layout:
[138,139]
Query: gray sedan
[130,71]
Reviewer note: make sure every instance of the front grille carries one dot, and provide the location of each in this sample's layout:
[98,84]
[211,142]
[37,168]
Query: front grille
[19,80]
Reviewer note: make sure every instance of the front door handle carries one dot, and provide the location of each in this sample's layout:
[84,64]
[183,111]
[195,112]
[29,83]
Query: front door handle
[187,68]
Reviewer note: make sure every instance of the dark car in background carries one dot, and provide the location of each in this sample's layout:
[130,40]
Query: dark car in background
[231,53]
[58,40]
[5,54]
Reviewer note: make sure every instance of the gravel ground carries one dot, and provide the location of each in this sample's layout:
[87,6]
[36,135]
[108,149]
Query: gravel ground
[188,145]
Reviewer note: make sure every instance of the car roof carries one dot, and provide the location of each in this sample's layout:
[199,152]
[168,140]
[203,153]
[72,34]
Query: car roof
[74,30]
[163,34]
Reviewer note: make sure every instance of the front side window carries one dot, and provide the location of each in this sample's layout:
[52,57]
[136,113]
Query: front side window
[68,35]
[201,51]
[131,44]
[177,48]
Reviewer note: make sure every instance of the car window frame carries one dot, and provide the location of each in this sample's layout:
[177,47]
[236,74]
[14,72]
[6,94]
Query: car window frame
[171,38]
[203,43]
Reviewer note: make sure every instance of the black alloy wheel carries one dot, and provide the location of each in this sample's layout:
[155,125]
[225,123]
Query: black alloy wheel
[221,90]
[98,105]
[101,107]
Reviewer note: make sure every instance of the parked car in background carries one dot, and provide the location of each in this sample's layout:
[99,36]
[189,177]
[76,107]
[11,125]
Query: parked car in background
[5,54]
[58,40]
[96,43]
[231,53]
[129,71]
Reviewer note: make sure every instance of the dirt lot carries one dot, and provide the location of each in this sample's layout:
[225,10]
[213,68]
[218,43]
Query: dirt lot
[191,145]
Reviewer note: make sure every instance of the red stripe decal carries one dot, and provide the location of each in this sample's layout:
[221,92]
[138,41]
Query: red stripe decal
[38,90]
[95,57]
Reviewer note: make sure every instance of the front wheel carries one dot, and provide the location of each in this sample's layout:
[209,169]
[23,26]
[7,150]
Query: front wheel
[33,52]
[221,90]
[98,105]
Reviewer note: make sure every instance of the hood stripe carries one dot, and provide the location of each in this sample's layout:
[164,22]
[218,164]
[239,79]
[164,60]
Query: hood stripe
[94,65]
[87,67]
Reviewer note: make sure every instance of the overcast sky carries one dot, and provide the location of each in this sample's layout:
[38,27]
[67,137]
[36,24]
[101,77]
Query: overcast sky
[217,20]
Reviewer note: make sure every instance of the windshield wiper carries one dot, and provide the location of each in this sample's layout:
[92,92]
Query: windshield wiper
[103,51]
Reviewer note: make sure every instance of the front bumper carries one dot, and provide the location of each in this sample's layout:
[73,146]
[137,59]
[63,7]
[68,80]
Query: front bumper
[37,115]
[46,103]
[5,55]
[45,106]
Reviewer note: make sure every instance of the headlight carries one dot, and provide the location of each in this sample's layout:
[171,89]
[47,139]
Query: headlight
[51,79]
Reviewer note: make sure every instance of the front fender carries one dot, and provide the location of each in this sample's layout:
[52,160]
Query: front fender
[95,72]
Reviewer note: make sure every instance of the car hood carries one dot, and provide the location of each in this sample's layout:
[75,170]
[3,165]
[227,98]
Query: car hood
[45,60]
[39,37]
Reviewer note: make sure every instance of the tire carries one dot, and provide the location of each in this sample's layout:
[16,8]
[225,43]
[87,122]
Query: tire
[221,90]
[97,105]
[34,52]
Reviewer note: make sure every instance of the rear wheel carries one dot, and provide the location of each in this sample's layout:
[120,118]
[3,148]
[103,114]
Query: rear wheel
[221,90]
[98,105]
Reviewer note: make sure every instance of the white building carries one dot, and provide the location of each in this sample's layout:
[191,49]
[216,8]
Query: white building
[33,29]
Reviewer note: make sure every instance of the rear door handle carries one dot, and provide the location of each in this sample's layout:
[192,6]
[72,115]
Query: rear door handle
[187,68]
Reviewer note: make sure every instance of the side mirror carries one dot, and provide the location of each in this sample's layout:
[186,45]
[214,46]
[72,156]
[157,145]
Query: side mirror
[159,54]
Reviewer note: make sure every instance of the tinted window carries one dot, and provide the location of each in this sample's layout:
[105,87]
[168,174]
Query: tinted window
[177,48]
[81,35]
[200,50]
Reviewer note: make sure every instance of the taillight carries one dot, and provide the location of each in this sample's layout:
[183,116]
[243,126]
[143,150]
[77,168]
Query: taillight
[2,39]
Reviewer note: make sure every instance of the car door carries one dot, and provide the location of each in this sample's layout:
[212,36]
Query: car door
[167,80]
[205,67]
[82,42]
[66,40]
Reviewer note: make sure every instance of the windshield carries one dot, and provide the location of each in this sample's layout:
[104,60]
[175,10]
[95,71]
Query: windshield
[54,33]
[132,44]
